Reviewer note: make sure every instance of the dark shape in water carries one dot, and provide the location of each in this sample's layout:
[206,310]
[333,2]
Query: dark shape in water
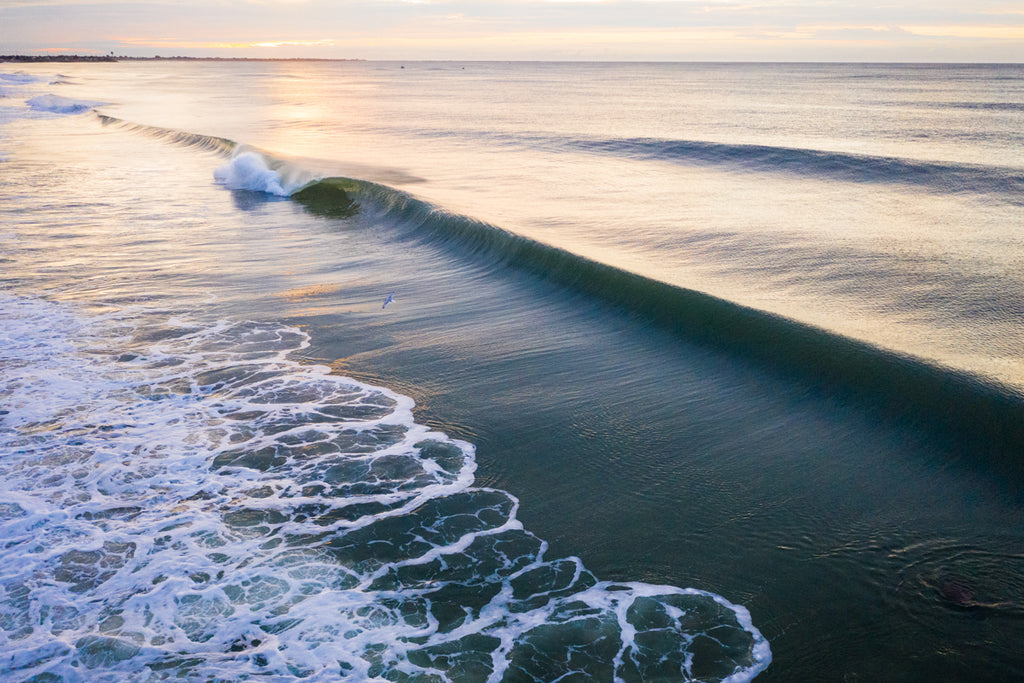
[956,593]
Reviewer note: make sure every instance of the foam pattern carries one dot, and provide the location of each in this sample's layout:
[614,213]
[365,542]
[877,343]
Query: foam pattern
[181,500]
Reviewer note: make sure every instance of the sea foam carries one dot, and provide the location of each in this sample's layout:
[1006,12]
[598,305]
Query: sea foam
[248,170]
[20,77]
[180,499]
[56,104]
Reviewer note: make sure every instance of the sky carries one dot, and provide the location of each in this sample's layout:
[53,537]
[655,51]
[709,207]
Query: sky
[640,30]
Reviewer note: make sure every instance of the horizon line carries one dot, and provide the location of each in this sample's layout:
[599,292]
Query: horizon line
[116,58]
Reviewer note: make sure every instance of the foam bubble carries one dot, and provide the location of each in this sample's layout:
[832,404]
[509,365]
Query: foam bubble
[182,500]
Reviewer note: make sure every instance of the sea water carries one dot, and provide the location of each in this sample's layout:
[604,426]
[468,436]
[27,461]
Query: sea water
[713,366]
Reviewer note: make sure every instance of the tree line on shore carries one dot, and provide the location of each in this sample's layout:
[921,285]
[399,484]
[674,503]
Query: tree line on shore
[112,58]
[59,58]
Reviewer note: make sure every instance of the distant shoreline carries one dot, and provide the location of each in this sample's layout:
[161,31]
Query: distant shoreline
[123,58]
[181,58]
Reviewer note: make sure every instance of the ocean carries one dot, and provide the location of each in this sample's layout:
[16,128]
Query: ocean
[480,371]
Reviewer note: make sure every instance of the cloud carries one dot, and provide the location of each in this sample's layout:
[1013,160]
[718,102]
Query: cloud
[984,30]
[979,32]
[215,45]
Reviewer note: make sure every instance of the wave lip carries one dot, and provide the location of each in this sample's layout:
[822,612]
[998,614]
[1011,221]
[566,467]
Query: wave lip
[221,146]
[249,171]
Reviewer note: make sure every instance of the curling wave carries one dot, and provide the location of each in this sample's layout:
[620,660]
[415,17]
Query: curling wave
[988,417]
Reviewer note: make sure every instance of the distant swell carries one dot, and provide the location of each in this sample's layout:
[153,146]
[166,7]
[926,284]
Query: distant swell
[20,78]
[832,165]
[976,106]
[935,176]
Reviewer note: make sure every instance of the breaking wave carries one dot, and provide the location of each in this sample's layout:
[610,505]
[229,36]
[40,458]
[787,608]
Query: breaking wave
[249,171]
[959,404]
[57,104]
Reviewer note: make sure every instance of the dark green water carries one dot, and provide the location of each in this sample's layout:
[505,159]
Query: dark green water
[651,457]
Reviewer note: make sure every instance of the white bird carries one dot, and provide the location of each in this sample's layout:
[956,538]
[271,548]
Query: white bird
[391,297]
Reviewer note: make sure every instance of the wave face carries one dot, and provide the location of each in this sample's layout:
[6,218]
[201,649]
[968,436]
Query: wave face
[181,500]
[960,404]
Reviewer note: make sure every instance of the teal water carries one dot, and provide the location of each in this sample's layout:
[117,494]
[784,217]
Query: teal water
[750,329]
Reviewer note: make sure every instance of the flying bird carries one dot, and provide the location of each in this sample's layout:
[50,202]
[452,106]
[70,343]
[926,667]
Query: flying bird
[391,297]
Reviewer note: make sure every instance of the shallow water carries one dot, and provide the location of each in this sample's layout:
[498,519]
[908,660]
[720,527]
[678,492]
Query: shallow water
[861,502]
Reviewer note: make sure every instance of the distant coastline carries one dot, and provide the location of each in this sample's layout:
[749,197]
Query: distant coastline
[124,58]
